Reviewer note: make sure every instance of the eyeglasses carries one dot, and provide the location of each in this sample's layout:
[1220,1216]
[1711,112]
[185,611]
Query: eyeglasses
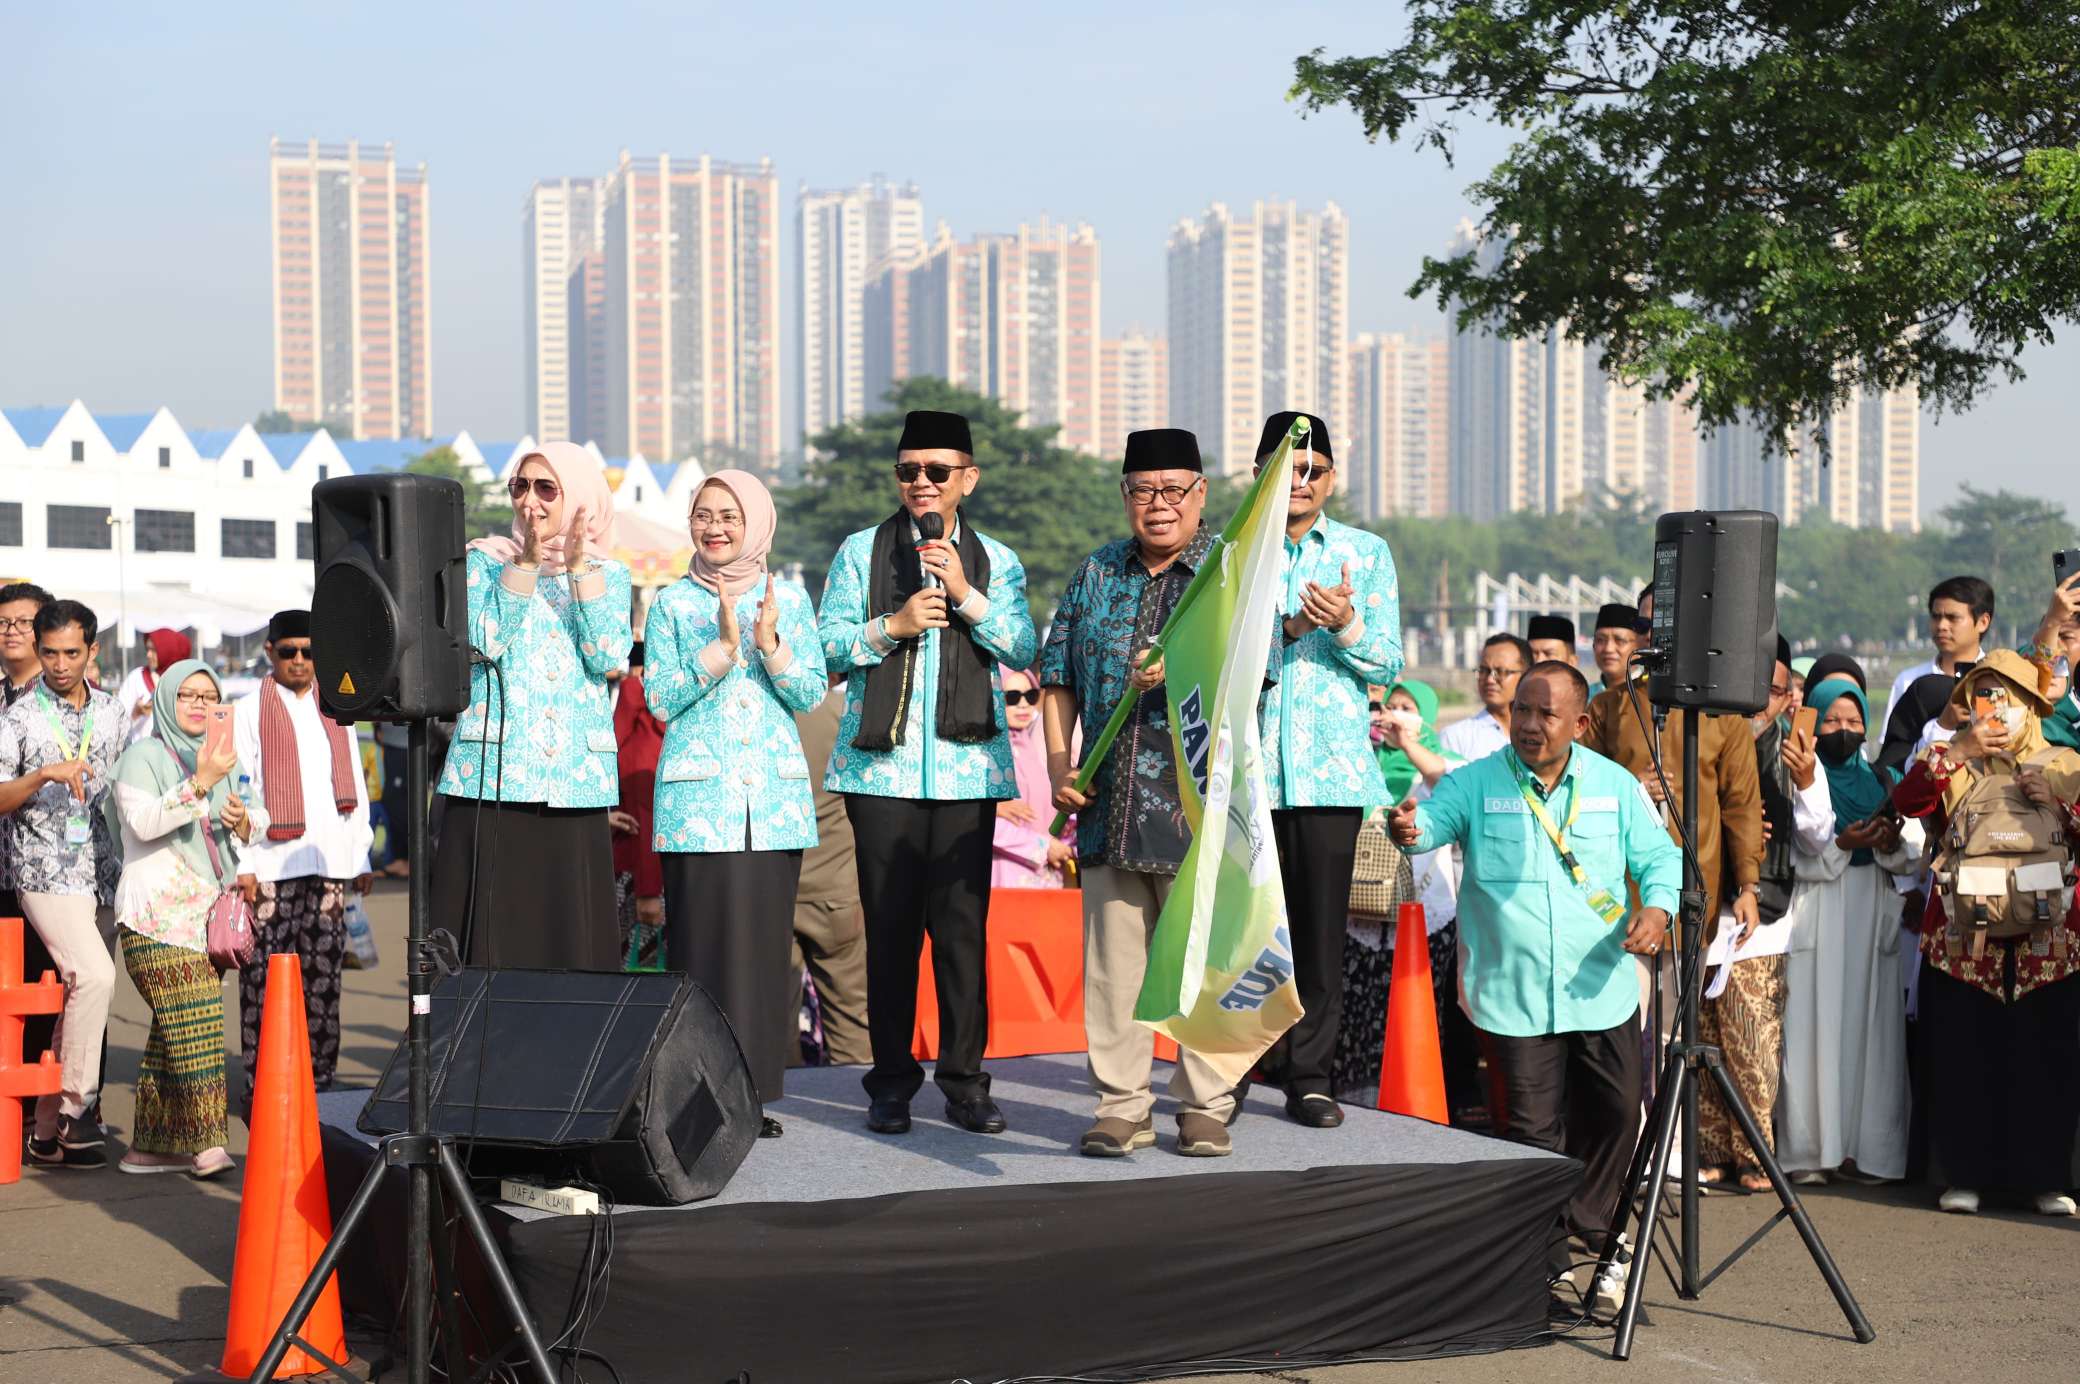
[545,489]
[1777,691]
[1020,696]
[937,472]
[1303,472]
[289,653]
[197,698]
[728,518]
[25,624]
[1497,674]
[1142,496]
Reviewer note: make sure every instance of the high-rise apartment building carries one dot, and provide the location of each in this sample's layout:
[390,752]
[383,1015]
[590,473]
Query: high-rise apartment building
[1012,316]
[1259,306]
[1397,458]
[1867,476]
[692,309]
[560,225]
[353,323]
[1133,388]
[843,237]
[585,313]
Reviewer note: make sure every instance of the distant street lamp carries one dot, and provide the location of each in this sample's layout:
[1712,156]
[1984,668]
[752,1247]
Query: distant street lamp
[122,598]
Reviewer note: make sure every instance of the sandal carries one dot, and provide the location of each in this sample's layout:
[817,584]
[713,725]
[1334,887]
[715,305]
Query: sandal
[144,1164]
[1754,1180]
[208,1163]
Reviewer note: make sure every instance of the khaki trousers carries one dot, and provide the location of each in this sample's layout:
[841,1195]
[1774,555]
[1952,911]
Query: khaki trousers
[73,931]
[1120,908]
[831,940]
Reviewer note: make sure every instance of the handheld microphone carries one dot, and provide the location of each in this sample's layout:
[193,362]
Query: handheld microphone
[930,528]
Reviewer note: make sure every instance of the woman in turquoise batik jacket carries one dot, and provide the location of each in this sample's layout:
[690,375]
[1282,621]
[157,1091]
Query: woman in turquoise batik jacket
[921,609]
[731,654]
[525,861]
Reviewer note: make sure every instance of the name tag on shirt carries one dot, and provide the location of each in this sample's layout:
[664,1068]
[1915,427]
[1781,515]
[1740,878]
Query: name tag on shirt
[1599,804]
[1506,806]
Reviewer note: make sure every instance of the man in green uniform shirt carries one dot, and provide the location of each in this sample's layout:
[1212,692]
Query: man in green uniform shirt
[1550,829]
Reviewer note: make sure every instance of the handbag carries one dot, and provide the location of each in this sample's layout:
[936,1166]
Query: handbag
[230,934]
[1381,879]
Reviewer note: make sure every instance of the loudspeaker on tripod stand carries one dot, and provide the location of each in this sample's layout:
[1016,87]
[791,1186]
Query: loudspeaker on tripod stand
[1715,610]
[389,613]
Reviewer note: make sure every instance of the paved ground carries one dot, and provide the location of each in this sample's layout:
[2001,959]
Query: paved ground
[112,1279]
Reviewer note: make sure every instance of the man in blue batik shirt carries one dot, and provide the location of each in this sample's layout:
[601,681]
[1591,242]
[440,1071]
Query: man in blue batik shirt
[1341,632]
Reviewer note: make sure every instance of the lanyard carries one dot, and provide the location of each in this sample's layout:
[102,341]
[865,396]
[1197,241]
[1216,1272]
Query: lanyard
[50,714]
[1606,904]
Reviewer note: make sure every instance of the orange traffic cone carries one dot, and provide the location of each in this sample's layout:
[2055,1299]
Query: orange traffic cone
[284,1218]
[17,1082]
[1411,1072]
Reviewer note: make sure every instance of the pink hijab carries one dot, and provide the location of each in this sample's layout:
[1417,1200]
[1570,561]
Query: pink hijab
[584,483]
[1029,758]
[760,520]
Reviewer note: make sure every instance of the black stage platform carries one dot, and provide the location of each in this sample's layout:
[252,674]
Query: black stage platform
[837,1256]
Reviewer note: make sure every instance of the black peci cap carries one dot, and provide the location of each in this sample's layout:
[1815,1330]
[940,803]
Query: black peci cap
[1161,449]
[927,429]
[1279,424]
[1551,627]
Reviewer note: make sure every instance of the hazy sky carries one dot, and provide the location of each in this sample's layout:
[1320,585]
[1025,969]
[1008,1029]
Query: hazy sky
[133,226]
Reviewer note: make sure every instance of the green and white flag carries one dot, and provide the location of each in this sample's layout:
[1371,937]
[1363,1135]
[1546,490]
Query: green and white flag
[1220,967]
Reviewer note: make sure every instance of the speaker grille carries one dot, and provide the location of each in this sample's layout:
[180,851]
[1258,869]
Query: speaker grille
[354,634]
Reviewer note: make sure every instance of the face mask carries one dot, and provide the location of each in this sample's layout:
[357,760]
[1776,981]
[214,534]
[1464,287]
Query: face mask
[2014,717]
[1839,746]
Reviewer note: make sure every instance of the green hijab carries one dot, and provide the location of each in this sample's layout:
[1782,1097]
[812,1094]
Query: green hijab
[1856,789]
[162,759]
[1395,765]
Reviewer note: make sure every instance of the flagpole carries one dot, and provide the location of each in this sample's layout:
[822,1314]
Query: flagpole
[1200,580]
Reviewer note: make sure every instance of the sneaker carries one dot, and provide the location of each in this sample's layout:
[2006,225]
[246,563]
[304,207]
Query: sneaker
[1113,1137]
[81,1133]
[56,1153]
[1962,1201]
[1202,1136]
[1610,1284]
[2056,1204]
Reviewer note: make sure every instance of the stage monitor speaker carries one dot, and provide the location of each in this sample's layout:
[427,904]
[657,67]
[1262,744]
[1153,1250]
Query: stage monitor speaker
[630,1082]
[389,614]
[1714,636]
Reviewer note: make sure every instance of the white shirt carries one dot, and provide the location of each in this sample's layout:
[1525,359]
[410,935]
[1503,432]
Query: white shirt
[1476,737]
[130,694]
[332,846]
[1907,679]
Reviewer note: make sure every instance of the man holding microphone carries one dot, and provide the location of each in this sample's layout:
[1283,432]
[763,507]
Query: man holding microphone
[1550,830]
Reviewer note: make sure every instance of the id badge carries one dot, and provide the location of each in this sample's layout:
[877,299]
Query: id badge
[76,829]
[1608,905]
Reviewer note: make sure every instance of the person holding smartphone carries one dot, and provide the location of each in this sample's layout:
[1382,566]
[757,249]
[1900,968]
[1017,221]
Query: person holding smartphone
[309,795]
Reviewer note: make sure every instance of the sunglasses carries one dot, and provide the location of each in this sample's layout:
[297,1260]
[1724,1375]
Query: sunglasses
[545,489]
[937,472]
[289,653]
[1020,696]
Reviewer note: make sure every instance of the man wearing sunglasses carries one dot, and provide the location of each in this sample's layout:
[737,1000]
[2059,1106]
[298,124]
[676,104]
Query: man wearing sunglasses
[310,843]
[1342,633]
[917,614]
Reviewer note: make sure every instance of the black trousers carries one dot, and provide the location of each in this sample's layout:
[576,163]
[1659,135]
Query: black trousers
[729,924]
[1317,848]
[1577,1094]
[2002,1082]
[924,872]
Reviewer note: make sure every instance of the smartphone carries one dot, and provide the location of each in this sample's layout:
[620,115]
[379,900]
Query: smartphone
[2065,566]
[216,738]
[1805,721]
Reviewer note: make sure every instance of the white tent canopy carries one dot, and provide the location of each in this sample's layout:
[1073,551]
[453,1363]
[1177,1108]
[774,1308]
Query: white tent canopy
[149,606]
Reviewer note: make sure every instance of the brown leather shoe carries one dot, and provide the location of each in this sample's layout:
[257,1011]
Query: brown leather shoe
[1202,1136]
[1113,1137]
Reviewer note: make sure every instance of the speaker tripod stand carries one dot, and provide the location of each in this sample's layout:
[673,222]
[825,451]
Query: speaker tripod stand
[1676,1094]
[425,1157]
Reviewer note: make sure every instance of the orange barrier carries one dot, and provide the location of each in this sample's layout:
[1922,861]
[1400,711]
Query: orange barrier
[284,1218]
[19,998]
[1035,972]
[1411,1071]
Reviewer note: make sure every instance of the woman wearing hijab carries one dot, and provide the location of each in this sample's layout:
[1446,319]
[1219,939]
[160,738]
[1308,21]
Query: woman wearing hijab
[732,654]
[1024,855]
[525,861]
[638,874]
[162,649]
[168,794]
[2000,1029]
[1845,1045]
[1411,760]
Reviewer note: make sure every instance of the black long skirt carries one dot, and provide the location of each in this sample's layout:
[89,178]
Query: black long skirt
[729,924]
[524,884]
[2003,1084]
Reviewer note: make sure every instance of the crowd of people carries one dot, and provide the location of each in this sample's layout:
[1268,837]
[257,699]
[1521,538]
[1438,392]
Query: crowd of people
[785,800]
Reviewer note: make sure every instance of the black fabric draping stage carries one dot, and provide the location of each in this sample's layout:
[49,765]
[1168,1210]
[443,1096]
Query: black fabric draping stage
[839,1255]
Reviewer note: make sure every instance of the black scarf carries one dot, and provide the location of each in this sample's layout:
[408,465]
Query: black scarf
[966,711]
